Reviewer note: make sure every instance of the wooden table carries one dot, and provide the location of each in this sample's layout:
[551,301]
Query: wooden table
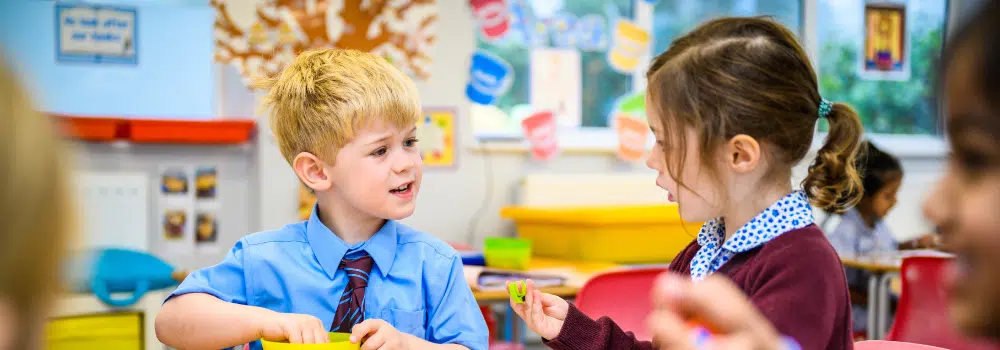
[497,296]
[881,269]
[576,272]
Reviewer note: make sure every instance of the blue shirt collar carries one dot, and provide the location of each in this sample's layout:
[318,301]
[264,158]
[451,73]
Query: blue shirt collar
[330,249]
[788,213]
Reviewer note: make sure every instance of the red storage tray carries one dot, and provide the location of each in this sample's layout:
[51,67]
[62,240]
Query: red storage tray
[92,128]
[190,131]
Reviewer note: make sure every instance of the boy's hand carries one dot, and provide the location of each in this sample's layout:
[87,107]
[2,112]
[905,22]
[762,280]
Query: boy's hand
[542,312]
[378,334]
[295,328]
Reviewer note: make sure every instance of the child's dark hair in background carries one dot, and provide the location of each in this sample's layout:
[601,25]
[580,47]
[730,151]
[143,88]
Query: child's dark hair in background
[881,175]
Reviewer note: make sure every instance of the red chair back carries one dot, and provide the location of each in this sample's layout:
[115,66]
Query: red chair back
[622,296]
[922,315]
[892,345]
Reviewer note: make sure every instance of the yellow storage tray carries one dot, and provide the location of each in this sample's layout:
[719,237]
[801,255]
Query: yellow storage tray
[619,234]
[111,331]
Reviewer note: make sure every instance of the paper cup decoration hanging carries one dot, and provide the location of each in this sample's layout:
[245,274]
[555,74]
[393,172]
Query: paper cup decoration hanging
[493,18]
[540,131]
[629,43]
[632,137]
[489,77]
[634,104]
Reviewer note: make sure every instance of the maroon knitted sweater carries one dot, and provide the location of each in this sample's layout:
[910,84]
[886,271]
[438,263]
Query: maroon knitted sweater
[795,280]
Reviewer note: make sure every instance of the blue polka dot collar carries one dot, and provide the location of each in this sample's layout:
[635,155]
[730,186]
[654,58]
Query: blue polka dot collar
[787,214]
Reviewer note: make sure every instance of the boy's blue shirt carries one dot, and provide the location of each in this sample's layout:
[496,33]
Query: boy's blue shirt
[417,283]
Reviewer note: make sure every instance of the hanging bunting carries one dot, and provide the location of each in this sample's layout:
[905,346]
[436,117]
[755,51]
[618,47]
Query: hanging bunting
[592,33]
[563,26]
[540,132]
[489,77]
[629,43]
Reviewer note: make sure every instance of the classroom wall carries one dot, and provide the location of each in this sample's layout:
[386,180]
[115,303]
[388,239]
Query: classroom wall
[172,79]
[176,78]
[462,204]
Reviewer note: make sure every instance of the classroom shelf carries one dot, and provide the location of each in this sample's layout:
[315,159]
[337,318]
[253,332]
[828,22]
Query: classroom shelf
[191,132]
[91,128]
[162,131]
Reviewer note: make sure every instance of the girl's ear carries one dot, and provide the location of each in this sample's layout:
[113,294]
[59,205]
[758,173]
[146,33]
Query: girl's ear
[743,153]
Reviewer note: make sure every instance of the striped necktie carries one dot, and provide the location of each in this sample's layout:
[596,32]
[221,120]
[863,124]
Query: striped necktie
[351,309]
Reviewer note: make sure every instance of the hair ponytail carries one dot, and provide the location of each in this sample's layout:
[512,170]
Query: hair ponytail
[833,183]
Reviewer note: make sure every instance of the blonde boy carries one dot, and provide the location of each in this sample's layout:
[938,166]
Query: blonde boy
[345,121]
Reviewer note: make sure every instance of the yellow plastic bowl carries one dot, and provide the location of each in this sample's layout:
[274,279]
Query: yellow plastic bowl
[338,341]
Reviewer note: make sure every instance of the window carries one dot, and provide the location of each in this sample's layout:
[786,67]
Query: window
[891,105]
[672,18]
[560,24]
[587,26]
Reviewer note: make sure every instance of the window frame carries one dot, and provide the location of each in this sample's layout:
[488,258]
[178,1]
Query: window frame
[602,140]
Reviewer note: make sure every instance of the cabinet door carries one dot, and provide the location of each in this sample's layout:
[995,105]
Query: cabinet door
[105,331]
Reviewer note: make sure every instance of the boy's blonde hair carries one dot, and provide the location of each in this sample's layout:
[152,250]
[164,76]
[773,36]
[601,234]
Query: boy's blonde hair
[323,98]
[36,212]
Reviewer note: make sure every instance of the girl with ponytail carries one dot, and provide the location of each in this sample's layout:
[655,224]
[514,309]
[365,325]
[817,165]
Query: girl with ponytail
[733,106]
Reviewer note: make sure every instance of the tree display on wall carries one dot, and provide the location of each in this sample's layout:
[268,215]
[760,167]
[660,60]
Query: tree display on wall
[260,37]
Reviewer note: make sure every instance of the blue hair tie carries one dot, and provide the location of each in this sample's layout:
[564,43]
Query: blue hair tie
[825,107]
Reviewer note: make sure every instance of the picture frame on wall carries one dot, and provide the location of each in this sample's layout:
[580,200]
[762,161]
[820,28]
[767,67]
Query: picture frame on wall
[96,33]
[885,51]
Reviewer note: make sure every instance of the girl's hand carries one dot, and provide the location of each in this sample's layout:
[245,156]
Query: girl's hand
[714,303]
[542,312]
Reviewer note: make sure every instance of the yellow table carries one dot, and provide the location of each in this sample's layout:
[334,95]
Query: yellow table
[882,269]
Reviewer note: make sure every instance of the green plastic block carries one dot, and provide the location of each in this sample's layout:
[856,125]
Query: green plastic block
[517,291]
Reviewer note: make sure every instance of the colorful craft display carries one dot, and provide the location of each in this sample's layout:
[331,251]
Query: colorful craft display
[489,77]
[540,131]
[493,17]
[629,43]
[436,132]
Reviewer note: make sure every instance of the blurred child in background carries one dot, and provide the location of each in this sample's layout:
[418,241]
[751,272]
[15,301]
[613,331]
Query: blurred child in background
[862,230]
[35,215]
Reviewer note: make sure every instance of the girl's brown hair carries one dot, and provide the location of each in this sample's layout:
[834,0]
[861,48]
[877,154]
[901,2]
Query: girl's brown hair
[749,75]
[35,211]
